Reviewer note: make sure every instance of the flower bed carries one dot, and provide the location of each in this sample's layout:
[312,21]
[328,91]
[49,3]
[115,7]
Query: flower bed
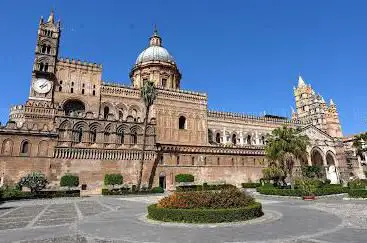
[226,205]
[358,193]
[253,210]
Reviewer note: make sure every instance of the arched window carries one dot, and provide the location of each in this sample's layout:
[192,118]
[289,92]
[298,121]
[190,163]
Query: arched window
[24,149]
[43,49]
[46,67]
[182,122]
[73,106]
[204,160]
[234,139]
[178,160]
[248,139]
[93,136]
[78,135]
[217,137]
[134,138]
[41,66]
[106,111]
[121,137]
[218,161]
[192,160]
[262,140]
[121,115]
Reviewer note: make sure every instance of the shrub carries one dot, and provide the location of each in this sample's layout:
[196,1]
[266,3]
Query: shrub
[157,190]
[312,171]
[358,193]
[251,211]
[204,187]
[36,181]
[308,186]
[227,198]
[273,173]
[113,179]
[184,178]
[69,180]
[16,194]
[299,193]
[250,185]
[357,184]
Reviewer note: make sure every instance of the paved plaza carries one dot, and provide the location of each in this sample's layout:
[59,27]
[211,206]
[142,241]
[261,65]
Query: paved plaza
[122,219]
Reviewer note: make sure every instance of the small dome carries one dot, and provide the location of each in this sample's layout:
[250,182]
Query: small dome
[155,53]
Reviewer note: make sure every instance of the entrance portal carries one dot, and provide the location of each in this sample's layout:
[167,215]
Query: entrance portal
[162,180]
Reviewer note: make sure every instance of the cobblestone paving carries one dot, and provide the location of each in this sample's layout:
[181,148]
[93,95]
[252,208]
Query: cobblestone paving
[114,219]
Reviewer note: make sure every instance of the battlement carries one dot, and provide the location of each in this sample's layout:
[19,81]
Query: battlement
[80,63]
[240,116]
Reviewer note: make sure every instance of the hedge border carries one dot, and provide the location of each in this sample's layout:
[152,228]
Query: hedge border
[250,185]
[117,192]
[298,193]
[205,215]
[42,194]
[357,193]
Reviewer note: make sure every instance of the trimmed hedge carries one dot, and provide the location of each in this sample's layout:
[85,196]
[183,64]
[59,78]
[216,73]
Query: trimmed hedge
[184,178]
[358,184]
[204,187]
[125,191]
[250,185]
[359,193]
[113,179]
[69,180]
[205,215]
[18,195]
[298,193]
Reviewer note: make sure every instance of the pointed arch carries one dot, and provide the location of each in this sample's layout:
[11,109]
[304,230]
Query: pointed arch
[25,148]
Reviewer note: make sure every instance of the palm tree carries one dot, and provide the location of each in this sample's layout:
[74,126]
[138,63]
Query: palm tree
[360,142]
[285,145]
[148,94]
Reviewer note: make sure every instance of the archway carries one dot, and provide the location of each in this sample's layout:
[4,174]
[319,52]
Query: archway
[162,180]
[317,158]
[71,106]
[330,159]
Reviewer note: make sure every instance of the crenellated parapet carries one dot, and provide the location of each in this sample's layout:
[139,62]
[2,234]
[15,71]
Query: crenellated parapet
[80,64]
[183,95]
[247,117]
[119,90]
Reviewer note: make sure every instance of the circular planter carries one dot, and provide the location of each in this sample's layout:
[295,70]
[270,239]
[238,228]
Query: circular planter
[309,198]
[205,215]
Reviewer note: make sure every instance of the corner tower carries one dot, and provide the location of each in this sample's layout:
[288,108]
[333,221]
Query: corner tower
[156,64]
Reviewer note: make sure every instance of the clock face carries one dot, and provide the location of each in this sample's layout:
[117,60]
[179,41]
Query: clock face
[42,86]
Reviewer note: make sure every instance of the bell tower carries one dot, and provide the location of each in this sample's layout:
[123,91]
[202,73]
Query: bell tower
[44,65]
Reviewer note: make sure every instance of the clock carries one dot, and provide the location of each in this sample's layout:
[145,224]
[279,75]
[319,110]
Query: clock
[42,86]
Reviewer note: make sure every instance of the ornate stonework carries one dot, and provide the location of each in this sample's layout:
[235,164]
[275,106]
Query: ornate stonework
[90,127]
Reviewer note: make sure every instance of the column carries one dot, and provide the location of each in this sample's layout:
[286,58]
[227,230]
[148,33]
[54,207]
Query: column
[224,136]
[241,138]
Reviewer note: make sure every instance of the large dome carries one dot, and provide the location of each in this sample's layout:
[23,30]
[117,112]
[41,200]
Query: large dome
[155,53]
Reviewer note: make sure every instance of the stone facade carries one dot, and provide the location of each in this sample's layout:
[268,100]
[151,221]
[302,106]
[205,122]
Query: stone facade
[74,122]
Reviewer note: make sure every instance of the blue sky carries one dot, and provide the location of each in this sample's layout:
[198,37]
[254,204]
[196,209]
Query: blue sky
[245,54]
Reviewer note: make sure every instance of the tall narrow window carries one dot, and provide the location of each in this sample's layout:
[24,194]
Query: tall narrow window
[121,115]
[134,138]
[93,136]
[121,138]
[46,67]
[204,160]
[41,66]
[177,160]
[248,139]
[192,160]
[164,83]
[25,147]
[48,49]
[217,137]
[218,161]
[234,139]
[78,135]
[106,111]
[182,122]
[43,50]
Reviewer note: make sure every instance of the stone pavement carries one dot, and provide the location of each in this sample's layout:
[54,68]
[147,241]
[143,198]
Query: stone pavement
[122,219]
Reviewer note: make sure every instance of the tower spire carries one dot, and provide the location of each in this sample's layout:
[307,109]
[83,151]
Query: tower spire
[301,82]
[51,18]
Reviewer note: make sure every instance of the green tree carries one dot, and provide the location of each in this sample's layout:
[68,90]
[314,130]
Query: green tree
[36,181]
[284,147]
[148,93]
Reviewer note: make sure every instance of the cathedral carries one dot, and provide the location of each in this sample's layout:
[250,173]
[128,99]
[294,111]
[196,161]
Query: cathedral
[74,122]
